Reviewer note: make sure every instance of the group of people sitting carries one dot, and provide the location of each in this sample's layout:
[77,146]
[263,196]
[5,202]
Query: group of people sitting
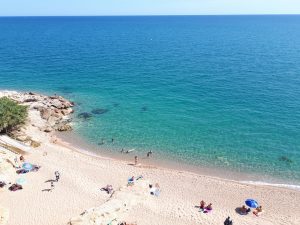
[204,208]
[35,168]
[244,210]
[13,187]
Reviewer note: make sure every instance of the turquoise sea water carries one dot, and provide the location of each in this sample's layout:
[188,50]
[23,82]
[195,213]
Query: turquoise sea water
[222,91]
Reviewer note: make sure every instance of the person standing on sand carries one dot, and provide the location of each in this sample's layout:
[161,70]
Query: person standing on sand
[135,160]
[57,175]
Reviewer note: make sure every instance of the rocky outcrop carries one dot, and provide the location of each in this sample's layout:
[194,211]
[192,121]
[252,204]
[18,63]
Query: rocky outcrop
[47,113]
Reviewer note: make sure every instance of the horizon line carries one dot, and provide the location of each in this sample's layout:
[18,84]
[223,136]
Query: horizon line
[153,15]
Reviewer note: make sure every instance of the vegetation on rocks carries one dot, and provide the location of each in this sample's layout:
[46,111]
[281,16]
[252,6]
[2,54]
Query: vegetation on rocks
[11,114]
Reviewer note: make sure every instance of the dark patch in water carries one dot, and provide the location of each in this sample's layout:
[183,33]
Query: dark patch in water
[144,109]
[66,90]
[84,115]
[99,111]
[116,104]
[285,159]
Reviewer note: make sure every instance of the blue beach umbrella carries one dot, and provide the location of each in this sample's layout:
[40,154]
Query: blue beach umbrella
[27,166]
[251,203]
[21,180]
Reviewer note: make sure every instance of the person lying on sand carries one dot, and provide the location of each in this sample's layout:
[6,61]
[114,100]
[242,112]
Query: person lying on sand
[244,210]
[257,211]
[209,207]
[15,187]
[109,189]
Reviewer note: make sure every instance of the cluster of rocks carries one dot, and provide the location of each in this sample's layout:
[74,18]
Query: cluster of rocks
[48,113]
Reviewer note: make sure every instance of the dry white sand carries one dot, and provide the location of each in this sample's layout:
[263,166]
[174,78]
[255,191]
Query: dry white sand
[82,176]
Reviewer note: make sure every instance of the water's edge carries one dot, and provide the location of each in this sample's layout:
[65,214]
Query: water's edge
[78,143]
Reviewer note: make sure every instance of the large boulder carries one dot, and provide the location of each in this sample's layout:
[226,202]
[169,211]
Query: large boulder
[46,129]
[64,127]
[52,120]
[35,144]
[57,104]
[22,138]
[45,113]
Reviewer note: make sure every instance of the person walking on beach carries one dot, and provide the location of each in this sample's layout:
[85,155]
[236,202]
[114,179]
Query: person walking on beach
[52,185]
[57,176]
[135,160]
[149,153]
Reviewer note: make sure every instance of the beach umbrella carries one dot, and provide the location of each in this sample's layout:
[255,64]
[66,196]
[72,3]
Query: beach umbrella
[21,181]
[251,203]
[27,166]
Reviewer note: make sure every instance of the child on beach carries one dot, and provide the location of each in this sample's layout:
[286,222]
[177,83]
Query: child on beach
[135,160]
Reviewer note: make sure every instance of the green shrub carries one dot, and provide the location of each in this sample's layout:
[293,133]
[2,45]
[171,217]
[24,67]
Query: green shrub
[11,114]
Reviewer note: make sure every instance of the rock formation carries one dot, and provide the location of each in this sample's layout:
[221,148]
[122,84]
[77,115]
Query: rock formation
[47,113]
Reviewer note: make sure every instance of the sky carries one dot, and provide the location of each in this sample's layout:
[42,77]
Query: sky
[146,7]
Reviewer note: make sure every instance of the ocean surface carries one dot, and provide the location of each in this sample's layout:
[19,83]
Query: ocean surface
[209,91]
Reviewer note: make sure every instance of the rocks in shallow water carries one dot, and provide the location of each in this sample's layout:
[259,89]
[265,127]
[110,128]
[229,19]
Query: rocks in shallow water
[85,115]
[285,159]
[99,111]
[64,127]
[46,129]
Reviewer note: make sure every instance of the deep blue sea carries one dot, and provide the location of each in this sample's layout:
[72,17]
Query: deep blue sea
[215,91]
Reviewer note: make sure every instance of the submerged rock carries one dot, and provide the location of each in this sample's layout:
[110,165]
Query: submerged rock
[285,159]
[99,111]
[144,108]
[85,115]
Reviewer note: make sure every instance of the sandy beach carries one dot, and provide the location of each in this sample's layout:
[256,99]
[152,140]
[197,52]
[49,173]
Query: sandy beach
[83,175]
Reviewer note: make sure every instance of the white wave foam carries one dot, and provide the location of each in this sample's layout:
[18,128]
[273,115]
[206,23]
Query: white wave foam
[289,186]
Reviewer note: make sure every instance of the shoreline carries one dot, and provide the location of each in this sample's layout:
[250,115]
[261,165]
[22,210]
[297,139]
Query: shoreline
[68,136]
[79,197]
[235,176]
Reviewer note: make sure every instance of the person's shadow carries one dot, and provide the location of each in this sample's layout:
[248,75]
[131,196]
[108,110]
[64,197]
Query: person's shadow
[47,181]
[48,189]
